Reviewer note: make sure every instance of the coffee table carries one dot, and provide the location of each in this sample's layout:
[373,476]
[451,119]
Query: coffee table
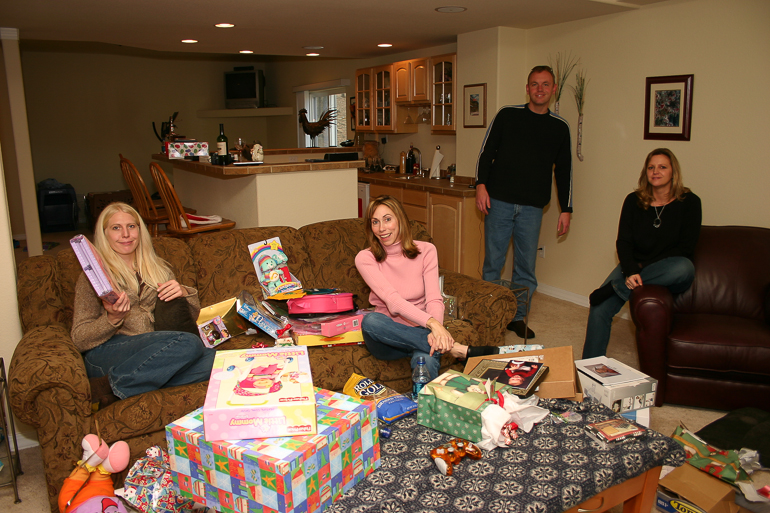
[554,468]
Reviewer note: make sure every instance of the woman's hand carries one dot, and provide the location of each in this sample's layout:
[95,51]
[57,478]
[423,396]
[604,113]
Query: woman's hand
[117,311]
[634,281]
[170,290]
[440,339]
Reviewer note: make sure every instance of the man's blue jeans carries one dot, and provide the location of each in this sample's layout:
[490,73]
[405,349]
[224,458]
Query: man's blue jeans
[523,223]
[150,361]
[387,339]
[676,273]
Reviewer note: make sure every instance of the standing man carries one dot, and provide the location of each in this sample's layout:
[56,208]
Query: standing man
[524,145]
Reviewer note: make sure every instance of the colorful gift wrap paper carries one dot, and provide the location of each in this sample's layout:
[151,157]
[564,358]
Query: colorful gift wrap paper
[288,474]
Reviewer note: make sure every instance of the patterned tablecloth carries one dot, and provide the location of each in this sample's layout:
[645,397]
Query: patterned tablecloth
[549,470]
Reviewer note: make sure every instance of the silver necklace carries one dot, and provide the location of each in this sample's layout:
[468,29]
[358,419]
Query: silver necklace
[656,222]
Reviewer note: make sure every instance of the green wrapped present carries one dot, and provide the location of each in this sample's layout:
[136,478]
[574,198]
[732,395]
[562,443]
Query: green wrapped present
[453,403]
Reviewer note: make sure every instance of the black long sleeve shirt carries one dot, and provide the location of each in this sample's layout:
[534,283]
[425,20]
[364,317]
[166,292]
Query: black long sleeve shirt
[640,244]
[518,155]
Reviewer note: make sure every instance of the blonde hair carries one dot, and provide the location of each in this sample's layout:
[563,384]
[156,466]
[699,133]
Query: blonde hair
[152,269]
[408,246]
[644,190]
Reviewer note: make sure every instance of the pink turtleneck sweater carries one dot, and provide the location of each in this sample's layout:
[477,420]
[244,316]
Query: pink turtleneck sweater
[406,290]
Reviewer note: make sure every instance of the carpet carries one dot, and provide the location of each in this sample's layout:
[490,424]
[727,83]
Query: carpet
[549,470]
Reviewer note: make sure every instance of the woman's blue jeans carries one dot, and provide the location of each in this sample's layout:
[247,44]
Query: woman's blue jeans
[387,339]
[150,361]
[676,273]
[523,223]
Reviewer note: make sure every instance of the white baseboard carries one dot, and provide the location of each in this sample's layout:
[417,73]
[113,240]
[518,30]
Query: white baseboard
[26,442]
[566,295]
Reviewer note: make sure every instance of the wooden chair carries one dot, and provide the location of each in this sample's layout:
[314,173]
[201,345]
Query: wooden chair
[175,211]
[152,211]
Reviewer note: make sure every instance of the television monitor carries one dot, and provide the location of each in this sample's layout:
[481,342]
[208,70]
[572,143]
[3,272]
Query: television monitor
[244,89]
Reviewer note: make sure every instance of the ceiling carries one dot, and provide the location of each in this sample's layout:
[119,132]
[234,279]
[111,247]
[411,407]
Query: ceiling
[345,28]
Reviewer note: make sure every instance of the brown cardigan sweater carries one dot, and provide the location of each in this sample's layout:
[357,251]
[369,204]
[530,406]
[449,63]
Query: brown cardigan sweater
[91,327]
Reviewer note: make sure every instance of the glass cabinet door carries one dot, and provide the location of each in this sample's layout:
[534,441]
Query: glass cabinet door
[444,100]
[383,108]
[363,99]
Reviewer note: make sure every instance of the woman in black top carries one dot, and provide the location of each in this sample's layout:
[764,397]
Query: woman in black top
[658,229]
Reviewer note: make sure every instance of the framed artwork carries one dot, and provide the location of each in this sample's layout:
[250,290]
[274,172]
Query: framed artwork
[475,106]
[668,108]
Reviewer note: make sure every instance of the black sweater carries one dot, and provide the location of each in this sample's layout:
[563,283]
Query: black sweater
[518,154]
[640,244]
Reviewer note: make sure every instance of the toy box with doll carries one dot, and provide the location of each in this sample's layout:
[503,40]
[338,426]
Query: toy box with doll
[300,473]
[270,264]
[260,393]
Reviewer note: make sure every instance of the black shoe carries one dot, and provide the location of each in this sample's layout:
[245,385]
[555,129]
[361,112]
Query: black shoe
[518,327]
[482,351]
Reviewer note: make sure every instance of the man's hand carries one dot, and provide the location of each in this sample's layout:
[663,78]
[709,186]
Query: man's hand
[482,199]
[634,281]
[563,226]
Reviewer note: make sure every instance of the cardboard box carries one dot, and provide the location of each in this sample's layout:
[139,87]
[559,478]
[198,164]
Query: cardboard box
[689,490]
[561,382]
[621,397]
[211,318]
[182,149]
[347,338]
[301,473]
[260,393]
[328,325]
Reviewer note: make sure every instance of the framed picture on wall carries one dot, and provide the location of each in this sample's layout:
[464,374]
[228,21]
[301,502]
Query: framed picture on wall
[668,108]
[475,106]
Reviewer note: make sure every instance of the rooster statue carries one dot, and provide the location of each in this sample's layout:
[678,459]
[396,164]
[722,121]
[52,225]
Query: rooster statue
[315,128]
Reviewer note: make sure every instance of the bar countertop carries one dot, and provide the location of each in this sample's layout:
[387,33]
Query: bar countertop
[434,185]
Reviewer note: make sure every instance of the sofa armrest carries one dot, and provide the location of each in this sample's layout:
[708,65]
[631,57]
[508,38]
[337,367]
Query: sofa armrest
[39,296]
[652,310]
[487,306]
[46,360]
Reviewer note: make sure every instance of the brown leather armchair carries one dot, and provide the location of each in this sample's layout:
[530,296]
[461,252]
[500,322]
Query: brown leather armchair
[710,346]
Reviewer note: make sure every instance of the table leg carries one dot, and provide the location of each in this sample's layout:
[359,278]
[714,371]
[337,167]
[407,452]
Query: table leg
[644,502]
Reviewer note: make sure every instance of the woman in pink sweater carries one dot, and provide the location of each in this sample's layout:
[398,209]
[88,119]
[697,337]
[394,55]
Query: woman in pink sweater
[403,277]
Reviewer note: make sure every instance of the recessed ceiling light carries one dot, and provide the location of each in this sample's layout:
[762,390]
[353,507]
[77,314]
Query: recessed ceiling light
[245,51]
[189,40]
[451,9]
[312,54]
[224,25]
[313,47]
[384,45]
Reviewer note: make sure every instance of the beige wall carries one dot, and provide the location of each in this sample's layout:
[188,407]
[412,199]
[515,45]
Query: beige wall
[726,47]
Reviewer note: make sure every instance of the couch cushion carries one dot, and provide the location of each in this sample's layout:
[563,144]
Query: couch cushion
[732,275]
[225,267]
[177,253]
[705,343]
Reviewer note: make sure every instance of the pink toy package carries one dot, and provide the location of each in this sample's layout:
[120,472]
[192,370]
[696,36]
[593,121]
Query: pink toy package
[260,393]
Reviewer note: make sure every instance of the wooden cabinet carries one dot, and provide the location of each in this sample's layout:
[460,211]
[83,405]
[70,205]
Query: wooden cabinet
[443,110]
[457,228]
[412,81]
[375,109]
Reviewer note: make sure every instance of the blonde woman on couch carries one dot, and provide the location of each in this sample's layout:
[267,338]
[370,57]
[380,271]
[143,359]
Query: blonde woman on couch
[659,226]
[123,353]
[403,277]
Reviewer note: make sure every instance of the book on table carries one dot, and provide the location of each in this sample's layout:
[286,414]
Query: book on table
[93,268]
[522,375]
[614,431]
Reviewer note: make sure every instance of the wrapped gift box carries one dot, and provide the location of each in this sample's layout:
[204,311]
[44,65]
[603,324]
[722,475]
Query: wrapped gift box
[290,474]
[260,393]
[182,149]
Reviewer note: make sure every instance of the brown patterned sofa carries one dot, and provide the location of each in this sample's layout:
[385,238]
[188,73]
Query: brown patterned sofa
[47,378]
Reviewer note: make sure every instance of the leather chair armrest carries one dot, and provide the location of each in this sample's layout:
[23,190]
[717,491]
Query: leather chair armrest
[652,310]
[46,364]
[487,306]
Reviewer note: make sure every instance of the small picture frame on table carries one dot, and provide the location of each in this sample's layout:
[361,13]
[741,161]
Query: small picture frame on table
[668,108]
[475,106]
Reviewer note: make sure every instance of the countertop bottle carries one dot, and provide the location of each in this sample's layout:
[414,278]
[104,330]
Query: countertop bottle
[222,146]
[410,160]
[402,167]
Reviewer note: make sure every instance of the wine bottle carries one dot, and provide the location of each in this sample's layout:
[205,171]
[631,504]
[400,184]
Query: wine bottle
[222,146]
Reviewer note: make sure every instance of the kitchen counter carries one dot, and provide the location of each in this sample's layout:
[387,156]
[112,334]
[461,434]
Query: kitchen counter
[283,191]
[410,182]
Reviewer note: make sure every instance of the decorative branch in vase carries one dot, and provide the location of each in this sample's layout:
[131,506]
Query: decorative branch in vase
[562,69]
[580,95]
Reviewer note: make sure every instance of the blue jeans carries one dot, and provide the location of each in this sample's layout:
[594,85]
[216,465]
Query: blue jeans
[150,361]
[676,273]
[523,223]
[387,339]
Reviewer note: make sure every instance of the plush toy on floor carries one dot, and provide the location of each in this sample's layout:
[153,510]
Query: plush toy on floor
[89,488]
